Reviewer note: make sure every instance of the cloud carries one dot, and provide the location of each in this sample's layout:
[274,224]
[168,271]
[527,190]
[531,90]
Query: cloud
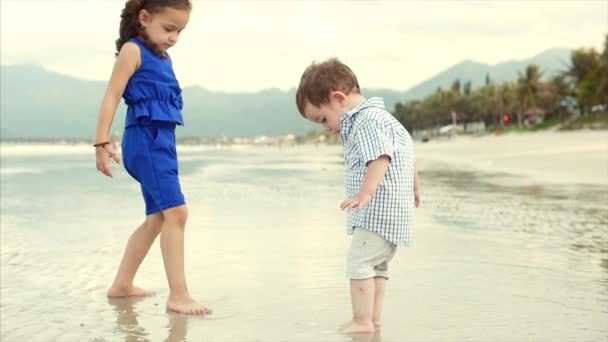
[251,45]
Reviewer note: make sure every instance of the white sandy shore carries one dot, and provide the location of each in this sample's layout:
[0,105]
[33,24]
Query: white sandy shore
[554,157]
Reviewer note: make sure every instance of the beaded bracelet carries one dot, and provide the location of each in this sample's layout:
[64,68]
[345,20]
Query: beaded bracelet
[101,144]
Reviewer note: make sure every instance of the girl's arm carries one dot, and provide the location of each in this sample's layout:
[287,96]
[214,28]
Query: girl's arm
[127,62]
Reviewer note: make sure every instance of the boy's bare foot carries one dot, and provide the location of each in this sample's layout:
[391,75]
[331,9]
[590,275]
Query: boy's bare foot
[188,306]
[130,291]
[353,327]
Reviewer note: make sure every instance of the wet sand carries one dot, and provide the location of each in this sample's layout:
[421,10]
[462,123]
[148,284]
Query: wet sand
[493,259]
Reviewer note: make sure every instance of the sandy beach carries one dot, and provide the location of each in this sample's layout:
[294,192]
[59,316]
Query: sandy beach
[577,157]
[500,253]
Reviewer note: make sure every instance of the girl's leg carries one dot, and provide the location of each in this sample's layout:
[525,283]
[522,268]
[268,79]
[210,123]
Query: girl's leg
[137,248]
[362,297]
[380,284]
[172,246]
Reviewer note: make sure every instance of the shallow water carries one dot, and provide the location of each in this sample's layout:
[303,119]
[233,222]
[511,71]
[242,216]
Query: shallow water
[492,259]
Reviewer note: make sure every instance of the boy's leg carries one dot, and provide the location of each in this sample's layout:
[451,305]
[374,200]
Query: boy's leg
[362,299]
[172,246]
[380,286]
[137,247]
[380,282]
[360,271]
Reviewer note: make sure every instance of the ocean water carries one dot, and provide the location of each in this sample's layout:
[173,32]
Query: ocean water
[492,259]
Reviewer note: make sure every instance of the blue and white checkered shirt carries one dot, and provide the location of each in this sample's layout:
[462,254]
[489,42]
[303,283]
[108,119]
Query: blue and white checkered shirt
[368,131]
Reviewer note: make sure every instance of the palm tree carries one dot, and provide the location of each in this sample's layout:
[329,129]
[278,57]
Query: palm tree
[528,87]
[585,73]
[508,99]
[582,62]
[557,89]
[601,95]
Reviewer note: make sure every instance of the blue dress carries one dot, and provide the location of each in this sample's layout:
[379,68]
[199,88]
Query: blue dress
[153,92]
[154,108]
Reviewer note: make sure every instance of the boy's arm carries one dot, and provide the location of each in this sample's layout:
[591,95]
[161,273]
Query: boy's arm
[416,187]
[376,169]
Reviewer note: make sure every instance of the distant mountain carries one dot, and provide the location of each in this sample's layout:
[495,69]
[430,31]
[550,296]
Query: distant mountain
[37,103]
[551,62]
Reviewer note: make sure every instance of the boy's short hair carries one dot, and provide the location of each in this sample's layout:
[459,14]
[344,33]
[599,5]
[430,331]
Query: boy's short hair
[320,79]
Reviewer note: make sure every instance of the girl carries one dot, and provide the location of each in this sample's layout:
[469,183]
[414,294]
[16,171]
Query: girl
[143,76]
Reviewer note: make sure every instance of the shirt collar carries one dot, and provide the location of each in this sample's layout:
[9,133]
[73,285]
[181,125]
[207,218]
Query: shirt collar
[371,102]
[346,125]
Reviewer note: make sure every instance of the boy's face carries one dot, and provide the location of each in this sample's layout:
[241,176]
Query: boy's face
[327,114]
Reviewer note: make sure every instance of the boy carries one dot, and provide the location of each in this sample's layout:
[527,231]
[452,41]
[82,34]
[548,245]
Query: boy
[381,180]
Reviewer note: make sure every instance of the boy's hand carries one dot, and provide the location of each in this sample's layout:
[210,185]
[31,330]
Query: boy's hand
[103,155]
[357,202]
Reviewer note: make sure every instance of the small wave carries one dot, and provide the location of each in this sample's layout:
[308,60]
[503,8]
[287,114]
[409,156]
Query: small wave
[34,149]
[7,171]
[41,149]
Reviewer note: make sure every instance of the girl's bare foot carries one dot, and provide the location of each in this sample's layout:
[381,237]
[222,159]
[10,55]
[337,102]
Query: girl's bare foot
[188,306]
[129,291]
[353,327]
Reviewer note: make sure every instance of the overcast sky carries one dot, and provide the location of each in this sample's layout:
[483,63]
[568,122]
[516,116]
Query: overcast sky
[253,45]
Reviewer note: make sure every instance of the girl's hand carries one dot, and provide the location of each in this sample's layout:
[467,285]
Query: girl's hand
[103,155]
[357,202]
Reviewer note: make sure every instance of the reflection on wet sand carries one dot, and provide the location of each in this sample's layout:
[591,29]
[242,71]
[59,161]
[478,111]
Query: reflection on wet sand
[126,318]
[177,327]
[127,321]
[375,337]
[568,216]
[572,216]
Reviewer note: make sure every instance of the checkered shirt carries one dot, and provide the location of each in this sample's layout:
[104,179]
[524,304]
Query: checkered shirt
[368,131]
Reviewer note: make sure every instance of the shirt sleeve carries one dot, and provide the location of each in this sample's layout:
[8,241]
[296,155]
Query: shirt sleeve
[374,140]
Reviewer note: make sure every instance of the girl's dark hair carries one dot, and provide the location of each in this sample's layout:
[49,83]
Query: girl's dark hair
[129,18]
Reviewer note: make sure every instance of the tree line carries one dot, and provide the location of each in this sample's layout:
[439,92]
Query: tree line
[573,91]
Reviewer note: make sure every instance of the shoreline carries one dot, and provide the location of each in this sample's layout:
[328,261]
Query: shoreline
[564,157]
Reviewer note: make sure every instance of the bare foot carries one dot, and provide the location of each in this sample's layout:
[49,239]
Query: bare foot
[131,291]
[188,306]
[378,323]
[353,327]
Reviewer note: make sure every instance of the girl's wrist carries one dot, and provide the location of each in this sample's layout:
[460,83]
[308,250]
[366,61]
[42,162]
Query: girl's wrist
[101,144]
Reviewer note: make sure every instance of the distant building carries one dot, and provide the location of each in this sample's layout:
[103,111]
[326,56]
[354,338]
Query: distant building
[534,116]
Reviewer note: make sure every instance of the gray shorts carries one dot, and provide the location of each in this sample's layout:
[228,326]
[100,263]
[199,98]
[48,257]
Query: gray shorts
[369,255]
